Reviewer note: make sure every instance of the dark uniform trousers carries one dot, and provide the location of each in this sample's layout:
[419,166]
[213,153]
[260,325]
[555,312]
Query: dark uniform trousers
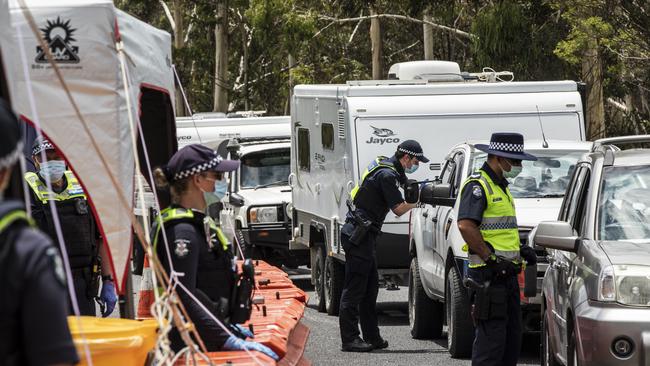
[360,289]
[81,288]
[498,339]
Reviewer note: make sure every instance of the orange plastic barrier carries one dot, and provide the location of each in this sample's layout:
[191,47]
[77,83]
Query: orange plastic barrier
[240,358]
[283,293]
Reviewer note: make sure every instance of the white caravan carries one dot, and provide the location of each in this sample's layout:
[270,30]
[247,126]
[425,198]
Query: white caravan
[205,128]
[337,130]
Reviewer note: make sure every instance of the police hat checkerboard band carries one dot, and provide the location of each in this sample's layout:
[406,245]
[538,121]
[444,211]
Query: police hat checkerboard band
[11,158]
[417,155]
[44,146]
[199,168]
[507,147]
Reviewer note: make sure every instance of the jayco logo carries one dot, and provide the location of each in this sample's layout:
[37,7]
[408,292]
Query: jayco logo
[383,136]
[59,37]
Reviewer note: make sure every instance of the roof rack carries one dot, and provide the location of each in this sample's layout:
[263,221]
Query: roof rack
[621,140]
[609,145]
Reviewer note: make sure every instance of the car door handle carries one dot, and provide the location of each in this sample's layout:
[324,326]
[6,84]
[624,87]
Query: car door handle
[434,219]
[425,214]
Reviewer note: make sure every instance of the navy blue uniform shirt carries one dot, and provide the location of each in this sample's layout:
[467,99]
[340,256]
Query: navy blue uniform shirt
[184,240]
[472,197]
[34,299]
[383,185]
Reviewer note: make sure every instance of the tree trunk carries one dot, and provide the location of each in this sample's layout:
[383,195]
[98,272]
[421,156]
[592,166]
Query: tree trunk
[427,31]
[292,64]
[181,109]
[592,74]
[377,47]
[221,59]
[245,68]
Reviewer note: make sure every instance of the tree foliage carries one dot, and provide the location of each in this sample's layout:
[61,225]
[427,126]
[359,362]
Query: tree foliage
[536,39]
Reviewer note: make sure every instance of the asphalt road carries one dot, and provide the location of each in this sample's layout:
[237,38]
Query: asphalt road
[323,347]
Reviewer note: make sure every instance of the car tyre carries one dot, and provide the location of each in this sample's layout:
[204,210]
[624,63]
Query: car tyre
[426,316]
[334,275]
[547,355]
[460,328]
[319,275]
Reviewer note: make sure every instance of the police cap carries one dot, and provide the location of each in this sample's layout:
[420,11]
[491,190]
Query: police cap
[10,139]
[41,145]
[195,159]
[413,148]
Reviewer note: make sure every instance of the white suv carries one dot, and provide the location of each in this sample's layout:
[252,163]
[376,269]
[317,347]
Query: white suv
[436,291]
[256,209]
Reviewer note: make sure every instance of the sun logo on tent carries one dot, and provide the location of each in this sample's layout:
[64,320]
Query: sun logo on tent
[59,36]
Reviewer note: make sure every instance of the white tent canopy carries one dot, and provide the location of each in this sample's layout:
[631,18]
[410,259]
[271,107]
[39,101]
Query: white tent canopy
[82,39]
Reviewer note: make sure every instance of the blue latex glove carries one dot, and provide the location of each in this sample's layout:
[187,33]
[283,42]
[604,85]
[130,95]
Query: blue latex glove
[235,344]
[245,331]
[109,297]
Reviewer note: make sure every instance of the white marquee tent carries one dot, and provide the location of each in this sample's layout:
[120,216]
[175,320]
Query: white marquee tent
[82,36]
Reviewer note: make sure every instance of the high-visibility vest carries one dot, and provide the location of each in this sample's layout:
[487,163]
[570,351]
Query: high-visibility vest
[214,276]
[172,214]
[77,225]
[72,190]
[499,222]
[378,163]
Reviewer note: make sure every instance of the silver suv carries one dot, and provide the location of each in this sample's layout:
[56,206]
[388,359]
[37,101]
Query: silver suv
[596,291]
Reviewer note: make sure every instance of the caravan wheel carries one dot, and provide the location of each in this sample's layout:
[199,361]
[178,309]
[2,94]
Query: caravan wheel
[319,279]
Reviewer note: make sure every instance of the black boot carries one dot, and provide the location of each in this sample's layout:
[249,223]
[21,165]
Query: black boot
[357,345]
[378,343]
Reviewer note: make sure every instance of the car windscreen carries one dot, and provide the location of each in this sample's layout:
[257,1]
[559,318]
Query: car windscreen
[265,168]
[624,203]
[547,177]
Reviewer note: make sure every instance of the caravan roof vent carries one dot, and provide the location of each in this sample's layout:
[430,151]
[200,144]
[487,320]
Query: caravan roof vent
[440,71]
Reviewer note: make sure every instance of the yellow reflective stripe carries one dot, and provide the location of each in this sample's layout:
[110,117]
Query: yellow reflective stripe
[376,164]
[222,239]
[14,216]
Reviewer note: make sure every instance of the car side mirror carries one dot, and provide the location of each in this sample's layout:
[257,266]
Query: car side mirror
[556,235]
[236,199]
[437,194]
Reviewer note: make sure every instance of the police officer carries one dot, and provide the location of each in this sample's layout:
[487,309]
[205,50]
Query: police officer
[376,194]
[77,224]
[488,223]
[196,246]
[33,324]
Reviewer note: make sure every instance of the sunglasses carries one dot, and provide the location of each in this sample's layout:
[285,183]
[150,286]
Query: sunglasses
[515,162]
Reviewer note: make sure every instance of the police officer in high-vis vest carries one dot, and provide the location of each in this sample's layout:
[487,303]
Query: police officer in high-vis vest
[488,223]
[77,226]
[33,312]
[196,248]
[376,194]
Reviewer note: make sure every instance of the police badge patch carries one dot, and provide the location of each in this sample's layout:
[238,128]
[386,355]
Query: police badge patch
[57,263]
[477,192]
[181,250]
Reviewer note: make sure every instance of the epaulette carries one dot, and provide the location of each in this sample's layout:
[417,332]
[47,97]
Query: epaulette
[475,175]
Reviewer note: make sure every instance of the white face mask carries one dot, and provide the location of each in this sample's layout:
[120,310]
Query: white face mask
[52,169]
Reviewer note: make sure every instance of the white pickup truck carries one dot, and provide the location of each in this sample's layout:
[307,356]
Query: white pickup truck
[438,265]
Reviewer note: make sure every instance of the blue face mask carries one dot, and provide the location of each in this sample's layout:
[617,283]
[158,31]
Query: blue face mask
[220,188]
[53,169]
[412,169]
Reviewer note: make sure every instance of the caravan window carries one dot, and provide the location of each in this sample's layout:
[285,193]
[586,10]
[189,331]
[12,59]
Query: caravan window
[303,149]
[327,136]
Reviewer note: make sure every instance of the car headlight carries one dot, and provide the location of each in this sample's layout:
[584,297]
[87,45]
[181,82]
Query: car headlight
[258,215]
[625,284]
